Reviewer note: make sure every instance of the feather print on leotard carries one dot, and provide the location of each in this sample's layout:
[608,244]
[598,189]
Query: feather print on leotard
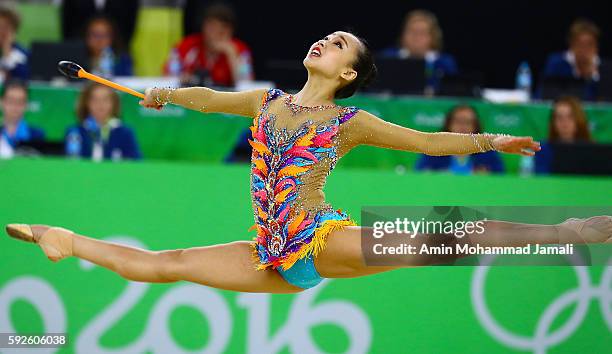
[279,159]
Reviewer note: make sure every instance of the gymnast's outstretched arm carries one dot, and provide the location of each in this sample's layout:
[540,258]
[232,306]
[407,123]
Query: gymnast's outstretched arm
[204,99]
[370,130]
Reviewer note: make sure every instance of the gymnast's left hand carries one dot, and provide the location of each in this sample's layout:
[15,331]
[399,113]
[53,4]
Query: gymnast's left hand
[149,100]
[521,145]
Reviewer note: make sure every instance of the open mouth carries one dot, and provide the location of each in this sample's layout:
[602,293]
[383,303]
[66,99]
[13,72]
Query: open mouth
[315,52]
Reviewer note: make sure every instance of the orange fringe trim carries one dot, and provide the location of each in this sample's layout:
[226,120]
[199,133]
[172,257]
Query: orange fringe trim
[316,245]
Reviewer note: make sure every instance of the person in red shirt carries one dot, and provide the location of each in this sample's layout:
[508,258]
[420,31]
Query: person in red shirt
[214,52]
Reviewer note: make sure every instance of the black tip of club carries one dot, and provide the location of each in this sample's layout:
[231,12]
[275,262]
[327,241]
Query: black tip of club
[69,69]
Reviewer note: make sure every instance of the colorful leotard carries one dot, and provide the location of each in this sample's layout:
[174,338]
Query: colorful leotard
[293,153]
[288,170]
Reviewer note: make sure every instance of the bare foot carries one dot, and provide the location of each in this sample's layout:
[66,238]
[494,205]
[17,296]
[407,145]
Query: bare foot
[596,229]
[56,242]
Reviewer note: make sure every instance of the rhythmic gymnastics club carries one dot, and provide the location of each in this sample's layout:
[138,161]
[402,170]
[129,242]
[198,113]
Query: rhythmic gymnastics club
[75,71]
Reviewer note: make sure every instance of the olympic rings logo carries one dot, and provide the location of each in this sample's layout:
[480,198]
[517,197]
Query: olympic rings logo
[543,338]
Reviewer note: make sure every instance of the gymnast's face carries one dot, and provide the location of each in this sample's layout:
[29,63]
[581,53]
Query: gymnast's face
[333,56]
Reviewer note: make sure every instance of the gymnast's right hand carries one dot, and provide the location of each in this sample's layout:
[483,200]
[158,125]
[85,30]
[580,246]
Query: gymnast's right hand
[149,100]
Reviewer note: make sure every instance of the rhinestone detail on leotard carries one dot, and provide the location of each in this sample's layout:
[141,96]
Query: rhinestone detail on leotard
[279,161]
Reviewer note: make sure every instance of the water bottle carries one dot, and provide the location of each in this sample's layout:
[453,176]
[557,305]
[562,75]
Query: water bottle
[174,65]
[204,78]
[116,155]
[526,166]
[97,151]
[107,62]
[400,169]
[523,78]
[244,68]
[73,145]
[6,150]
[428,89]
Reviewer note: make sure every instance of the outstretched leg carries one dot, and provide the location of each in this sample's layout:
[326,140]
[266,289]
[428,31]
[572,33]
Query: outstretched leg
[226,266]
[343,256]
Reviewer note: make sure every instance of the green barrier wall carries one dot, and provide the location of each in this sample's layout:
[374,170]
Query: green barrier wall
[177,134]
[158,206]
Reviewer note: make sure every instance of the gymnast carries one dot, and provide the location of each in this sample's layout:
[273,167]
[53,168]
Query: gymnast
[296,141]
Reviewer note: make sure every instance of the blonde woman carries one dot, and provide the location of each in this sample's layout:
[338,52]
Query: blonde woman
[421,38]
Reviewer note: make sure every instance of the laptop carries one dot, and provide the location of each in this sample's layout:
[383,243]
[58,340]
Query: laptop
[581,158]
[553,87]
[399,76]
[45,56]
[604,89]
[38,148]
[468,84]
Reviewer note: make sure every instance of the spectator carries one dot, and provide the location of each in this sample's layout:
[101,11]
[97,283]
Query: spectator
[100,134]
[14,129]
[77,13]
[462,119]
[568,125]
[104,43]
[214,52]
[422,39]
[14,61]
[581,60]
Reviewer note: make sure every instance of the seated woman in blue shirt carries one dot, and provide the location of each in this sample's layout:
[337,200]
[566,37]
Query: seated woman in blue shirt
[568,125]
[14,129]
[13,57]
[100,134]
[102,39]
[462,119]
[581,60]
[422,39]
